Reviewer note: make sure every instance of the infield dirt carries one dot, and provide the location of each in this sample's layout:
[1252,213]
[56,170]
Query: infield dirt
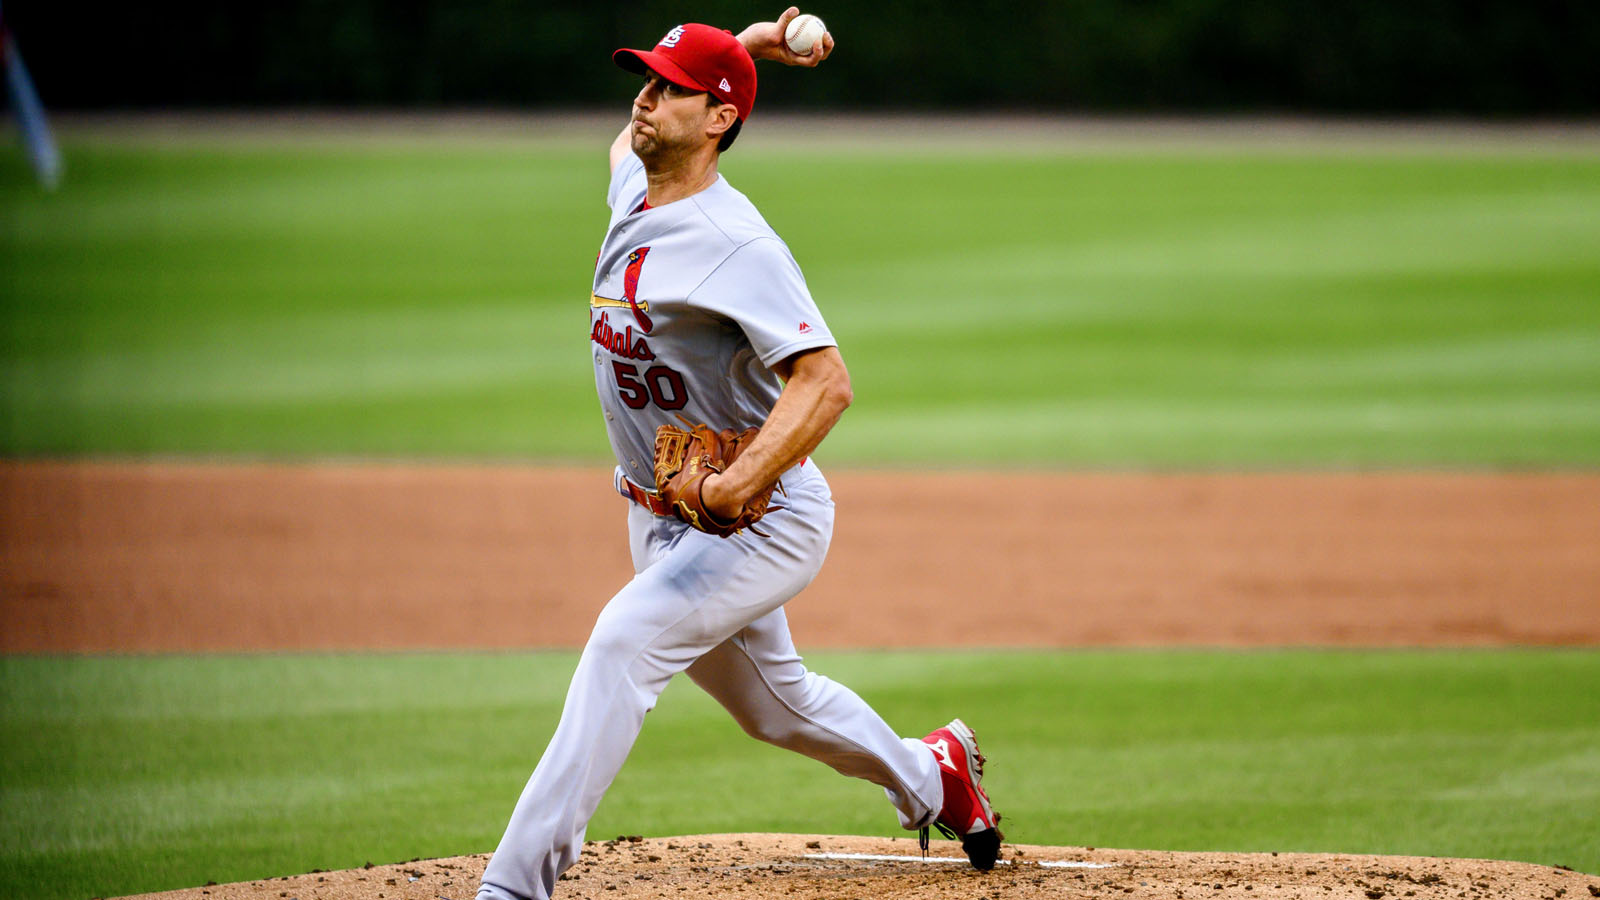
[143,557]
[810,867]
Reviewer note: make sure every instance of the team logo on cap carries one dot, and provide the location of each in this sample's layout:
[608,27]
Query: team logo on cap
[672,38]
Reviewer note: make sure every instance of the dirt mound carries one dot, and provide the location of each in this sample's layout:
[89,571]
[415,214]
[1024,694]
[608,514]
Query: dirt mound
[816,867]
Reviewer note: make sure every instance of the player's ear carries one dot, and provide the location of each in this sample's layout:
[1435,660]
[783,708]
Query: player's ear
[722,119]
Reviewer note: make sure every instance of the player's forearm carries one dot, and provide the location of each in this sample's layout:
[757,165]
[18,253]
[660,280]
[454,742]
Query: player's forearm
[620,147]
[757,41]
[799,421]
[816,395]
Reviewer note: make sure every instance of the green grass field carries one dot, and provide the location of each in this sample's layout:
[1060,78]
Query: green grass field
[136,774]
[1372,308]
[1341,308]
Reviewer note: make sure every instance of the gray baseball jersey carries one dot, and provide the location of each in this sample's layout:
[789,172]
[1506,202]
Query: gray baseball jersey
[692,303]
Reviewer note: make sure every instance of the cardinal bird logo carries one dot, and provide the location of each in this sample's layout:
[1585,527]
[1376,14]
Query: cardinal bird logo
[630,287]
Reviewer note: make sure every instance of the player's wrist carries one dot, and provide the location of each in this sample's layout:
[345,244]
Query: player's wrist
[756,41]
[718,497]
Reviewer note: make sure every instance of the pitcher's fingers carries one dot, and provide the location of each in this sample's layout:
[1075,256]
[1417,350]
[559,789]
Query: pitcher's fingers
[818,52]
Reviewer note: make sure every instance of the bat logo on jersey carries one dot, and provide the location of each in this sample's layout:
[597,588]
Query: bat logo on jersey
[630,287]
[627,343]
[630,291]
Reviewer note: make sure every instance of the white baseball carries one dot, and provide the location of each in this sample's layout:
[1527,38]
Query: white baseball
[803,32]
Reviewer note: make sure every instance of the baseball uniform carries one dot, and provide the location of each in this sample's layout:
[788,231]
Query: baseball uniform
[692,304]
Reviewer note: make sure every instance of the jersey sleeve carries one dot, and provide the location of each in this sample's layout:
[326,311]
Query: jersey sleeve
[628,171]
[759,286]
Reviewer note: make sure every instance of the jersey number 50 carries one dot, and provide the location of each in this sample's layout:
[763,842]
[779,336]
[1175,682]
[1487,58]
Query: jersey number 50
[659,384]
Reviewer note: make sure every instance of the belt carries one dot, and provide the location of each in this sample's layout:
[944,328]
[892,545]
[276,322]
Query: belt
[648,499]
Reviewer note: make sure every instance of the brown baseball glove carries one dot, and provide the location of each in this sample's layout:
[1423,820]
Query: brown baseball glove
[685,458]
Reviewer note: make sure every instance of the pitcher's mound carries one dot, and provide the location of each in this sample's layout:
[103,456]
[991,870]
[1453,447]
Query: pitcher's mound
[819,867]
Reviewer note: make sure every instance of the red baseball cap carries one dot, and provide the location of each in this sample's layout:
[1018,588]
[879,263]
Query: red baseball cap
[703,58]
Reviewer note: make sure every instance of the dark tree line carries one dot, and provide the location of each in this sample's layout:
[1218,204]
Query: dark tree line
[1472,57]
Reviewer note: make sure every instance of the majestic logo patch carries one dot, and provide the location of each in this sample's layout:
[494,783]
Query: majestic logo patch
[805,327]
[672,38]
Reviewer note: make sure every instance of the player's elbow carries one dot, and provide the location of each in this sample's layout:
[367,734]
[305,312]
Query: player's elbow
[837,393]
[820,374]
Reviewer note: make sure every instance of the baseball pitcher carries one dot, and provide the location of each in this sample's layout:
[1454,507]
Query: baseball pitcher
[718,377]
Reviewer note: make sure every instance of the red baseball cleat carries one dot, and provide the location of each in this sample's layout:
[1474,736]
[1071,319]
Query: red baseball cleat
[967,813]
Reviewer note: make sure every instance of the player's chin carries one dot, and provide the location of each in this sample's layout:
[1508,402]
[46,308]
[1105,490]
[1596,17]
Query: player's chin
[643,144]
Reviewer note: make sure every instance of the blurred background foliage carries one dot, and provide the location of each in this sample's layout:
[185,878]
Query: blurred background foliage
[1463,57]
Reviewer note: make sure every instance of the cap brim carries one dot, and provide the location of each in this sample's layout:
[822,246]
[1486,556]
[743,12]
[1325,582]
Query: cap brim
[637,61]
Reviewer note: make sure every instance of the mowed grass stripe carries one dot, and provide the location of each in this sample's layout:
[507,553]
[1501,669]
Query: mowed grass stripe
[311,358]
[136,774]
[1160,309]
